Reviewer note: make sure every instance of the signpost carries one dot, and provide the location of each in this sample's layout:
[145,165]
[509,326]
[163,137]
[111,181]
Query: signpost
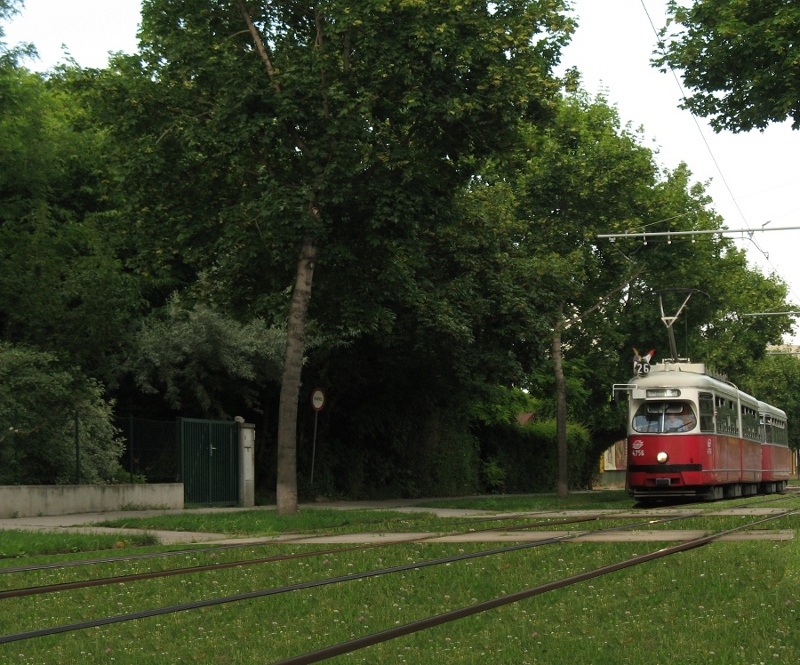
[317,403]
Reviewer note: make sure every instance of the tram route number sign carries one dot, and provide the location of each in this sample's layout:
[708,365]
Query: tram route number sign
[318,399]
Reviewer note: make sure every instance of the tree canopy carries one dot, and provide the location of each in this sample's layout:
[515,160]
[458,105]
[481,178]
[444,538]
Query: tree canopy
[66,306]
[48,410]
[163,221]
[264,138]
[740,58]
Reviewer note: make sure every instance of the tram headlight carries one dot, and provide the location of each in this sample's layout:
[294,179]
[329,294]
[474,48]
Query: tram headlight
[662,457]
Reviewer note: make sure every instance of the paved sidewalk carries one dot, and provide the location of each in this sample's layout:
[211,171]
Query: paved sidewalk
[85,523]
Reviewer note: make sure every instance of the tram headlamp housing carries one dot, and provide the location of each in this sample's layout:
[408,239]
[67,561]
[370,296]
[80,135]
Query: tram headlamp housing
[662,457]
[663,392]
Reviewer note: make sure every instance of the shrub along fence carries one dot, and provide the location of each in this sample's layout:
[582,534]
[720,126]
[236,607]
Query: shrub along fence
[84,449]
[152,449]
[525,458]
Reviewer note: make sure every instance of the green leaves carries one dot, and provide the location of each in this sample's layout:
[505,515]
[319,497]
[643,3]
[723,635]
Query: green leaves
[202,362]
[61,287]
[775,379]
[741,59]
[40,400]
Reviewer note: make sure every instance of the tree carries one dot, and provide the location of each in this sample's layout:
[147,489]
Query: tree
[464,315]
[775,379]
[728,339]
[64,301]
[9,57]
[48,410]
[712,328]
[585,175]
[740,57]
[582,176]
[62,288]
[271,139]
[202,361]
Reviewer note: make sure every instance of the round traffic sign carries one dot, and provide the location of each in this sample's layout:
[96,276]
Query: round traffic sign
[318,399]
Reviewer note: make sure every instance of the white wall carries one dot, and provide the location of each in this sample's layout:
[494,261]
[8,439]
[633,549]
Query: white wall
[35,500]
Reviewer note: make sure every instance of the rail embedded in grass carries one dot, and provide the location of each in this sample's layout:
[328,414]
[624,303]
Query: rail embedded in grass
[731,602]
[591,500]
[306,585]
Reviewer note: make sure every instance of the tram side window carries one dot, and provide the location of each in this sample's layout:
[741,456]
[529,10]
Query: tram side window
[775,431]
[706,412]
[727,416]
[780,435]
[661,417]
[750,428]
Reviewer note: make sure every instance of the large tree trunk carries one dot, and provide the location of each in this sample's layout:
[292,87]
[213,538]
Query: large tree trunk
[561,415]
[290,387]
[295,344]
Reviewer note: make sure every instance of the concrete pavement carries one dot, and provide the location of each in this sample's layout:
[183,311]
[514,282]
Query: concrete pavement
[86,523]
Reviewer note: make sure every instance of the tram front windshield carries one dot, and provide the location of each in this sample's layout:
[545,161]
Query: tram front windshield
[664,417]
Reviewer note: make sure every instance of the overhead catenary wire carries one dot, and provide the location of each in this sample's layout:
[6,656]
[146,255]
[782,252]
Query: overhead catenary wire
[713,156]
[676,234]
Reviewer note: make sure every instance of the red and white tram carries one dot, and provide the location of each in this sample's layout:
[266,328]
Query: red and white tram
[694,434]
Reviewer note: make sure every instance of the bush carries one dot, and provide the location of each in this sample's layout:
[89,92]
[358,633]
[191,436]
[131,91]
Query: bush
[525,458]
[437,456]
[445,459]
[43,408]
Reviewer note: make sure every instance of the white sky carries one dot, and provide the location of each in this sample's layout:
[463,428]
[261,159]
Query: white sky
[612,48]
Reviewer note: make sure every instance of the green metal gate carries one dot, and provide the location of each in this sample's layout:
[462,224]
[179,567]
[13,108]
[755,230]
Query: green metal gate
[210,461]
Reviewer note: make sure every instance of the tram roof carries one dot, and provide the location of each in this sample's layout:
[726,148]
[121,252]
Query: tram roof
[763,407]
[677,374]
[683,371]
[686,375]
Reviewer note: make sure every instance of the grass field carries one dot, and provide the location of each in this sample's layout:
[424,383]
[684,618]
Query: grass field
[731,602]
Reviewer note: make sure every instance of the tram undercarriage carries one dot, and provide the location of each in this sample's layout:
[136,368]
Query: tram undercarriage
[664,492]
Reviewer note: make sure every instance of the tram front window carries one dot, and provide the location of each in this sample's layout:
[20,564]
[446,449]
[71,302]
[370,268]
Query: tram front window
[661,417]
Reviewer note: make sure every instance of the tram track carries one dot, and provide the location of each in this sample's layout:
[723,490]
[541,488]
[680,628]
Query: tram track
[477,608]
[272,540]
[357,576]
[298,537]
[122,579]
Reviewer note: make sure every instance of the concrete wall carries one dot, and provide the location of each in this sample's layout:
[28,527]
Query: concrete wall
[34,500]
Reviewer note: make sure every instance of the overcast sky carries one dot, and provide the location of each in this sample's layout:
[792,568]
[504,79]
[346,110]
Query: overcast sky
[754,177]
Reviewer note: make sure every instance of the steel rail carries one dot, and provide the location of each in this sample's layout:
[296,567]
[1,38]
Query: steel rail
[214,548]
[270,541]
[135,577]
[104,621]
[454,615]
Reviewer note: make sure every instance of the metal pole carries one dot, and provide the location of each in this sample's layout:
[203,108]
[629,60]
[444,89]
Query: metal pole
[314,446]
[677,234]
[130,448]
[14,424]
[669,321]
[77,451]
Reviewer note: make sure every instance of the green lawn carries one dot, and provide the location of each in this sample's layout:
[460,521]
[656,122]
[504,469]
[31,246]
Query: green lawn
[731,602]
